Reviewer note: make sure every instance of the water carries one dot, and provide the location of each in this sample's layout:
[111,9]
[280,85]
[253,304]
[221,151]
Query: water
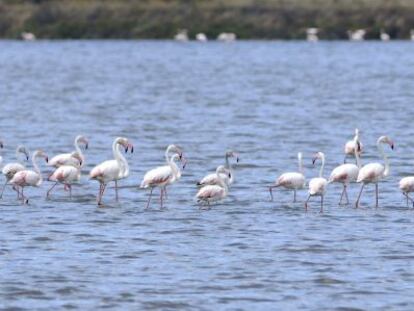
[267,100]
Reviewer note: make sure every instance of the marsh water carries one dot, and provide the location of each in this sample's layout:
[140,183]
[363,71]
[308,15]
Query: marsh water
[265,100]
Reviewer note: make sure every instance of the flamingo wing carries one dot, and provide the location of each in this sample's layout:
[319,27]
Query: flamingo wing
[157,177]
[9,170]
[371,172]
[106,171]
[210,192]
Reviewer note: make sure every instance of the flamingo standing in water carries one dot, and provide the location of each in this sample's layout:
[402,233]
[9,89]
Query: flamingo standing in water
[292,180]
[163,176]
[374,172]
[211,179]
[12,168]
[66,175]
[29,178]
[111,170]
[407,186]
[350,146]
[210,193]
[347,173]
[317,185]
[66,158]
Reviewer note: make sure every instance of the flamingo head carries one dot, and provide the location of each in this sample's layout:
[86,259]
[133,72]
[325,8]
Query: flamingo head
[386,140]
[22,149]
[223,170]
[77,156]
[124,142]
[316,156]
[1,144]
[41,154]
[232,154]
[83,140]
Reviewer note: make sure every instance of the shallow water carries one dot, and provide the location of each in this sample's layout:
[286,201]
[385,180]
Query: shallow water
[267,100]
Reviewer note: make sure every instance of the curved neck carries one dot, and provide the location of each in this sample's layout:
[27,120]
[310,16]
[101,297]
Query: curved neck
[382,153]
[167,159]
[356,153]
[122,162]
[322,166]
[36,166]
[230,168]
[174,167]
[222,183]
[78,149]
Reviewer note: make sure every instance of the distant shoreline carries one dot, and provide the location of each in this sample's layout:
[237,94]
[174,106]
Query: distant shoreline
[248,19]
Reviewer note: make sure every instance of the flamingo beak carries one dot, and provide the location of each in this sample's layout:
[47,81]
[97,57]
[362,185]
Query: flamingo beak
[27,158]
[359,146]
[229,175]
[86,145]
[132,148]
[1,144]
[47,159]
[392,146]
[183,160]
[237,159]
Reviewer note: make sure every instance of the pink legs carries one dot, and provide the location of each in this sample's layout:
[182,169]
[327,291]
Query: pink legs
[306,203]
[163,192]
[102,187]
[359,196]
[149,199]
[344,192]
[408,198]
[271,191]
[4,186]
[116,190]
[50,190]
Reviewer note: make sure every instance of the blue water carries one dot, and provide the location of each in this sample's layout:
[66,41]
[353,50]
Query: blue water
[266,100]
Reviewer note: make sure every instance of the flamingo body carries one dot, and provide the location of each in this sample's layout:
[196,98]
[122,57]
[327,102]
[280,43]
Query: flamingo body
[291,180]
[317,186]
[26,178]
[371,173]
[10,169]
[106,172]
[66,174]
[407,184]
[211,193]
[345,173]
[63,159]
[159,176]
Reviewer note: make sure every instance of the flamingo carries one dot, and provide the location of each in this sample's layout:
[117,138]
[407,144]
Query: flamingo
[210,193]
[347,173]
[163,176]
[407,186]
[12,168]
[111,170]
[374,172]
[66,158]
[211,179]
[350,145]
[317,185]
[292,180]
[29,178]
[66,175]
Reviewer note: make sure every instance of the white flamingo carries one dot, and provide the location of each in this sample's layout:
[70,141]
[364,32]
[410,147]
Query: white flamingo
[211,179]
[317,185]
[66,175]
[350,146]
[292,180]
[407,186]
[66,158]
[374,172]
[12,168]
[347,173]
[163,176]
[111,170]
[29,178]
[211,193]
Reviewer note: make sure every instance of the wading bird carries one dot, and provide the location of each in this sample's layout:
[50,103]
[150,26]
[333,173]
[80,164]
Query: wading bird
[29,178]
[317,185]
[12,168]
[374,172]
[111,170]
[407,186]
[346,173]
[350,146]
[163,176]
[211,193]
[211,179]
[292,180]
[66,158]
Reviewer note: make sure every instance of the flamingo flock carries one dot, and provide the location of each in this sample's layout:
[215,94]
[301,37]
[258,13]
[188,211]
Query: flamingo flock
[67,171]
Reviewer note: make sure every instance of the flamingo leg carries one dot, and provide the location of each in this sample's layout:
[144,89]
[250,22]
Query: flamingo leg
[376,195]
[70,191]
[346,194]
[15,188]
[99,193]
[149,199]
[116,190]
[294,196]
[161,195]
[321,203]
[50,190]
[24,199]
[165,193]
[306,202]
[342,195]
[408,198]
[345,158]
[359,196]
[2,190]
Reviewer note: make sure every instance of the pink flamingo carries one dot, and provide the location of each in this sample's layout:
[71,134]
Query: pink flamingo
[12,168]
[66,158]
[407,186]
[346,173]
[211,179]
[292,180]
[163,176]
[210,193]
[317,185]
[374,172]
[66,175]
[350,146]
[29,178]
[111,170]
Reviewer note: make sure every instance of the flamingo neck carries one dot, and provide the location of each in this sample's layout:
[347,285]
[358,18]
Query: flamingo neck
[222,183]
[322,166]
[122,162]
[356,153]
[174,167]
[36,167]
[384,156]
[79,150]
[230,168]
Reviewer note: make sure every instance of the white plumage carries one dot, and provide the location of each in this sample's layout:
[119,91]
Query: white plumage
[407,186]
[354,145]
[67,158]
[211,193]
[317,185]
[66,175]
[211,179]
